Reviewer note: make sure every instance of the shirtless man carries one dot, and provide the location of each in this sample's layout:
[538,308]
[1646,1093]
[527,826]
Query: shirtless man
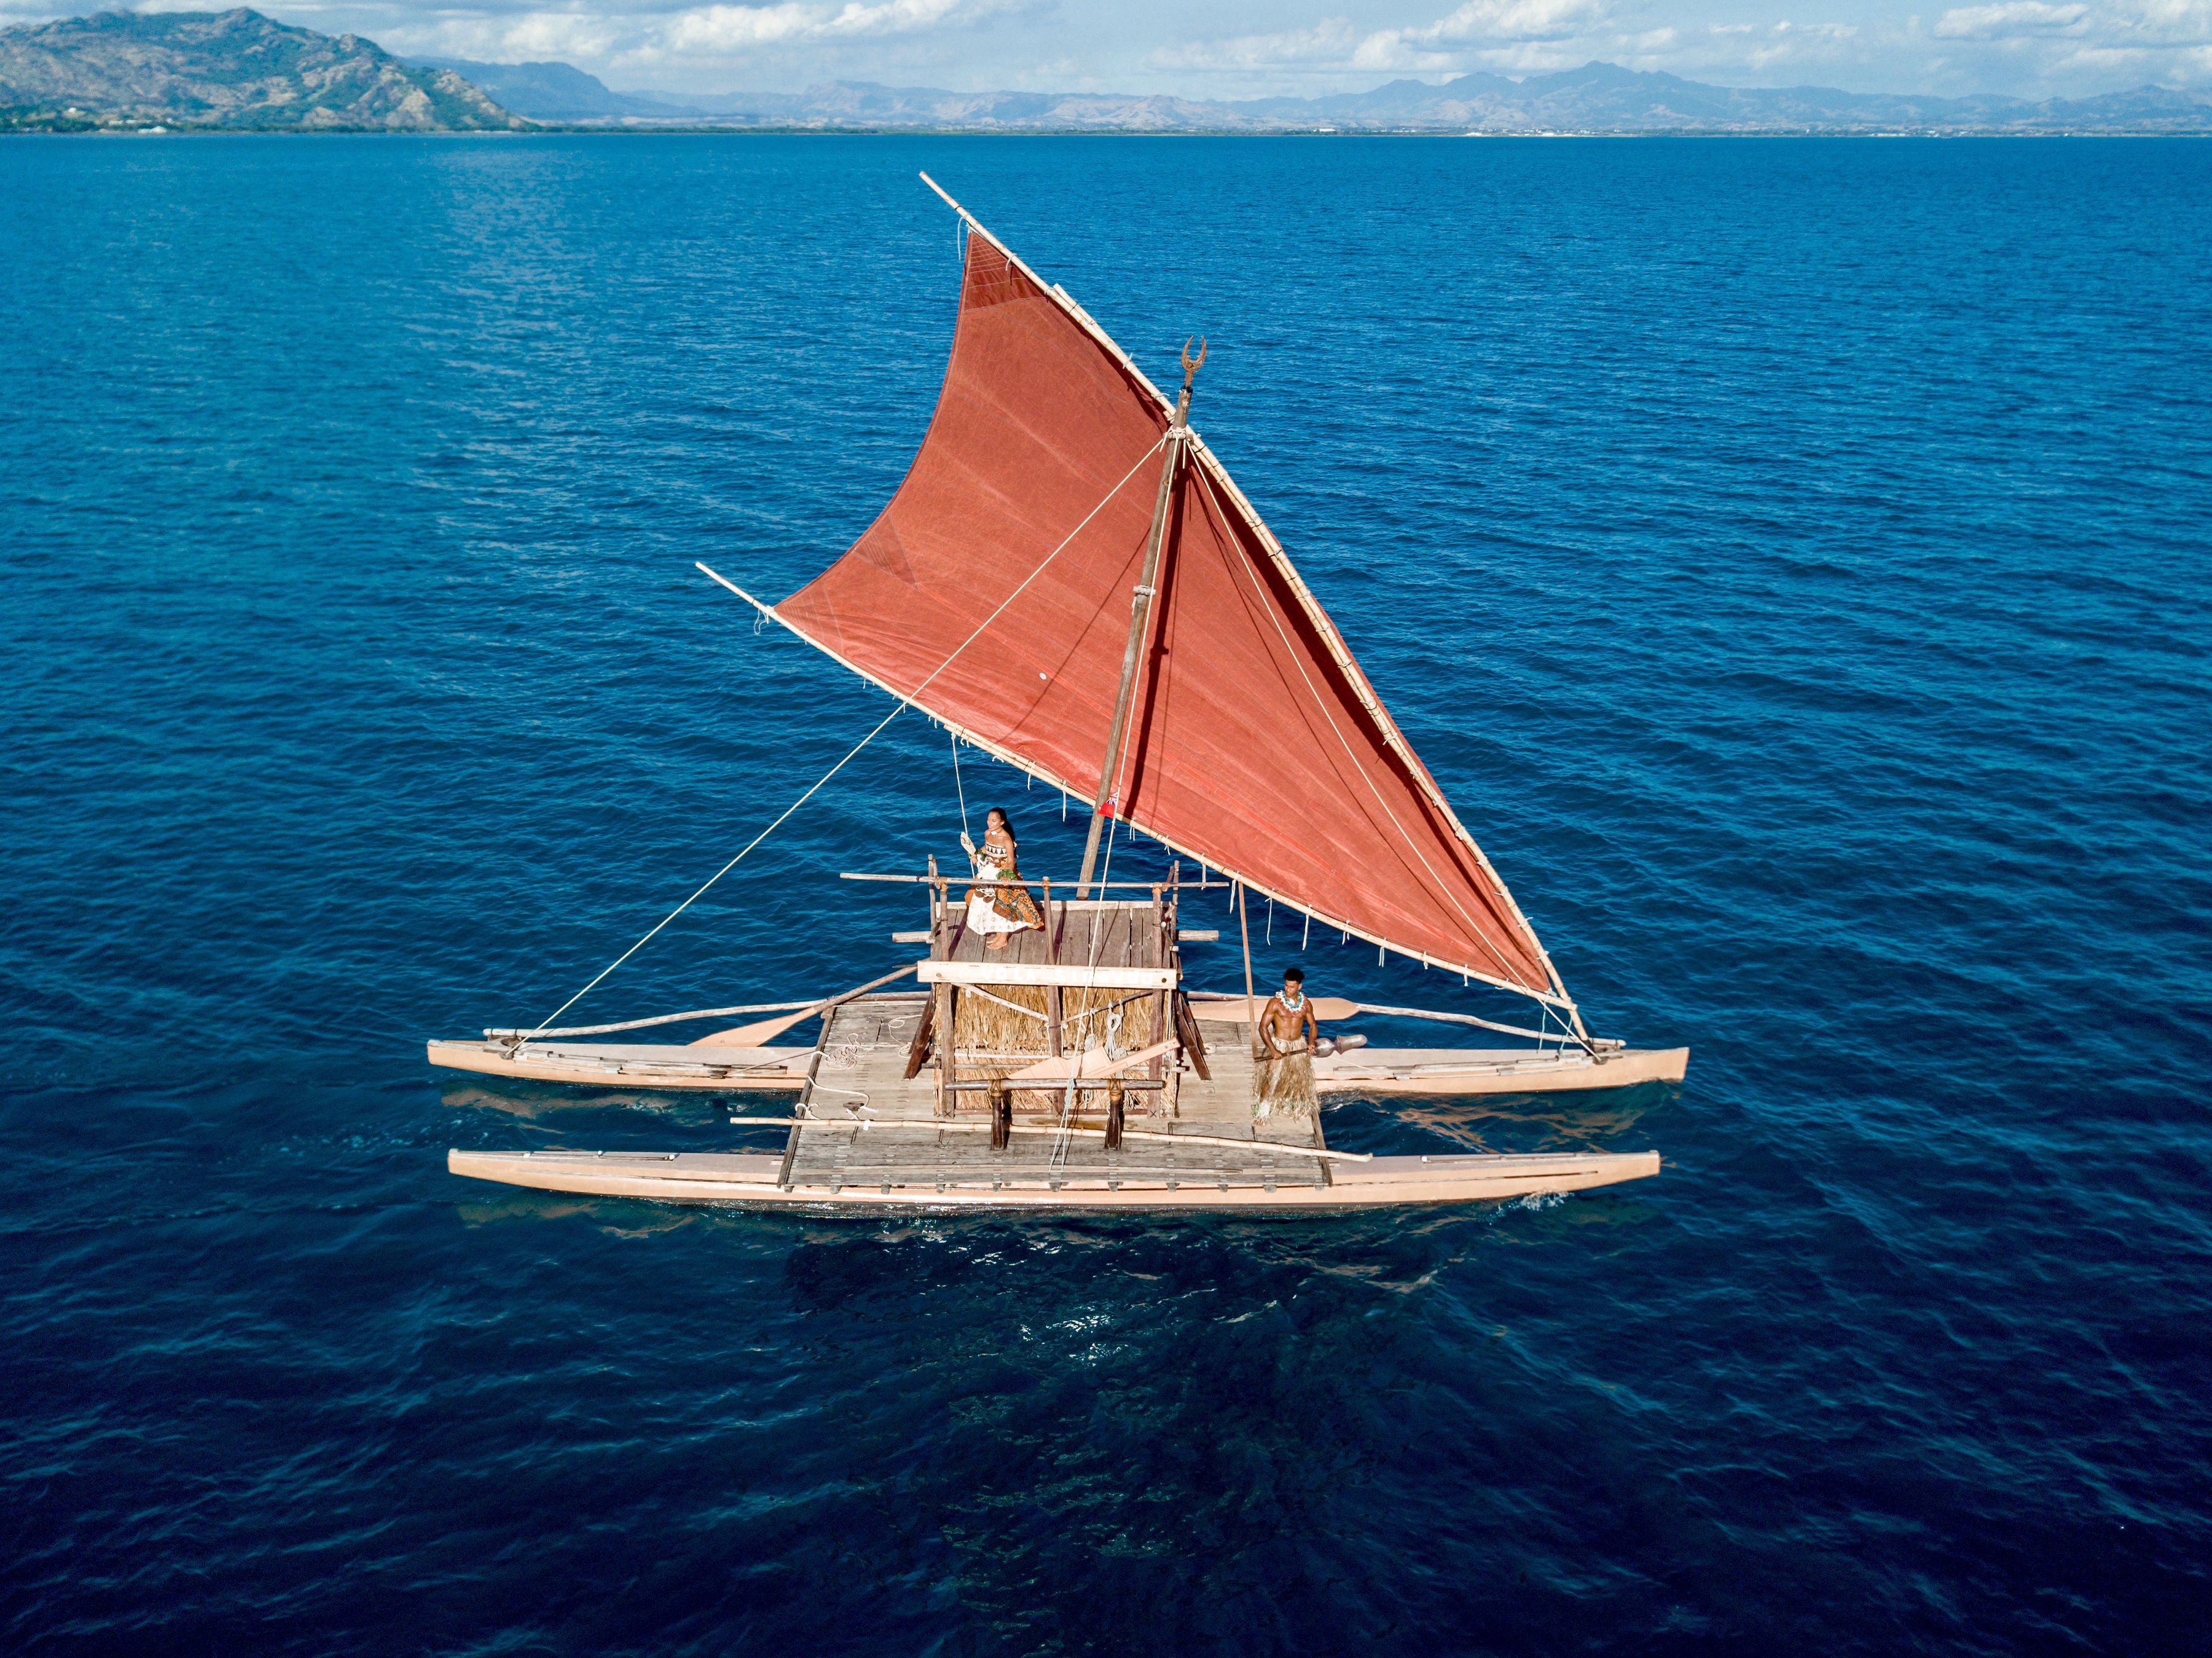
[1288,1014]
[1288,1034]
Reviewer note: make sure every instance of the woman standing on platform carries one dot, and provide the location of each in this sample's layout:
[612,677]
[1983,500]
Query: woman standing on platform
[995,912]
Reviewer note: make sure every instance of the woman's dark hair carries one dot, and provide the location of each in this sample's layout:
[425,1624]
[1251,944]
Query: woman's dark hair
[999,812]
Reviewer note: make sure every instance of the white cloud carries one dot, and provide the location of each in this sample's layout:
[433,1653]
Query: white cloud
[538,37]
[725,31]
[2035,48]
[1487,23]
[1508,20]
[2013,18]
[655,34]
[1330,41]
[2152,23]
[2032,47]
[1333,44]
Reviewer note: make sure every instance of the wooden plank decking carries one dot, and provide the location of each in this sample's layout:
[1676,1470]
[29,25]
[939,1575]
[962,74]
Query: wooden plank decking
[859,1077]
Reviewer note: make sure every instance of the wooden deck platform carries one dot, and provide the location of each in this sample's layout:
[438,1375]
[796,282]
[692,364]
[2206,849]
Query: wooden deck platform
[866,1138]
[1095,991]
[860,1078]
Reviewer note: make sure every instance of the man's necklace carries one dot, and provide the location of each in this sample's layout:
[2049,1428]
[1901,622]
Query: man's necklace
[1293,1002]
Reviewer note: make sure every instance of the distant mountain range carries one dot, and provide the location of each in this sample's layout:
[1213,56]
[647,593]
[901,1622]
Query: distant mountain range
[237,70]
[1597,98]
[562,92]
[232,71]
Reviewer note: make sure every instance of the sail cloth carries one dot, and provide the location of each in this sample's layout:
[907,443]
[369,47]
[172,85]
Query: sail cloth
[1255,742]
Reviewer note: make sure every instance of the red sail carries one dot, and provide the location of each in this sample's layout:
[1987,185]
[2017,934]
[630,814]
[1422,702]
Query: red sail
[1255,743]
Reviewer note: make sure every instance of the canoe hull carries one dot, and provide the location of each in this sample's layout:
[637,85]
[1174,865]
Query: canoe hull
[1427,1073]
[710,1070]
[749,1181]
[1430,1072]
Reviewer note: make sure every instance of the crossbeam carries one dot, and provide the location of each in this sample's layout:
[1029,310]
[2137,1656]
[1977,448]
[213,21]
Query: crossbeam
[1095,886]
[942,1126]
[1040,973]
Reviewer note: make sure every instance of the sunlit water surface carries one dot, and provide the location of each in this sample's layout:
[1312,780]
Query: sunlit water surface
[1790,556]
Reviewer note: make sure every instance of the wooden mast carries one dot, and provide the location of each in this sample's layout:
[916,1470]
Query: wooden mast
[1140,607]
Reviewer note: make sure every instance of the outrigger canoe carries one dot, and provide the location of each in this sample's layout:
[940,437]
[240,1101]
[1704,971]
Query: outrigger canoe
[1068,580]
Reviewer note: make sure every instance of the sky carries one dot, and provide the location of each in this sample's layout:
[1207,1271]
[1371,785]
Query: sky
[1216,49]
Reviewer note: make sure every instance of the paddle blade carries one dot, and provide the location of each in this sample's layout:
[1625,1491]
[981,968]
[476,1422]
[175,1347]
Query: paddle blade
[1092,1063]
[1228,1001]
[753,1035]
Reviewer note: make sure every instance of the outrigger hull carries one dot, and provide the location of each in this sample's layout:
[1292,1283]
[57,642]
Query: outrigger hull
[632,1064]
[953,1096]
[751,1180]
[1428,1072]
[1425,1073]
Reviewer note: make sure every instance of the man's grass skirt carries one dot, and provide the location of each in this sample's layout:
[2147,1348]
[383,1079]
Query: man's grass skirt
[1283,1082]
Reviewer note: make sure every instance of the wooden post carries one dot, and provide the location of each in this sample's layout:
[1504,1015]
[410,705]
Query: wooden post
[1114,1113]
[1194,1043]
[1002,1115]
[1164,947]
[1186,1023]
[917,1053]
[1251,1007]
[1053,1010]
[1140,611]
[948,1103]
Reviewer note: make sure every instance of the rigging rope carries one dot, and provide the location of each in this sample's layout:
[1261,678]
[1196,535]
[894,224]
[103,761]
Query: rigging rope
[957,783]
[863,742]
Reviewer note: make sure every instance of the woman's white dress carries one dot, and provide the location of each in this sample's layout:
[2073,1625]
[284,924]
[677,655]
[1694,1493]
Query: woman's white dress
[982,917]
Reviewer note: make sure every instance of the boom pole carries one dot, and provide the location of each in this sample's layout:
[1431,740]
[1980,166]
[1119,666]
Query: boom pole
[1140,607]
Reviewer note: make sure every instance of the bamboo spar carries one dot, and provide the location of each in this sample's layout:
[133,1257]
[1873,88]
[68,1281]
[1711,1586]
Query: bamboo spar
[1140,607]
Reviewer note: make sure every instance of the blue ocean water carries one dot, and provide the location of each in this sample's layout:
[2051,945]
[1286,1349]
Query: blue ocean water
[1790,556]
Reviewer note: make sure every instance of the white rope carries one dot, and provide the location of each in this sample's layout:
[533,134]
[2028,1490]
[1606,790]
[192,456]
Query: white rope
[724,869]
[1107,869]
[1026,1012]
[957,783]
[1031,1013]
[862,743]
